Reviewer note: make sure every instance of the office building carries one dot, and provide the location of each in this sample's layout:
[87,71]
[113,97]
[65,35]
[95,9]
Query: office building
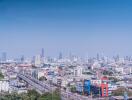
[37,60]
[22,59]
[60,55]
[42,53]
[4,56]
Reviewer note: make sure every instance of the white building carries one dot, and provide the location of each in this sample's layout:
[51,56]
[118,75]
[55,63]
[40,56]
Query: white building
[111,87]
[78,71]
[42,73]
[95,65]
[127,70]
[96,82]
[37,60]
[120,69]
[4,86]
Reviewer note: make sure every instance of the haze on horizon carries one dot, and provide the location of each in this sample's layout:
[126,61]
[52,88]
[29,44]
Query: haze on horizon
[83,27]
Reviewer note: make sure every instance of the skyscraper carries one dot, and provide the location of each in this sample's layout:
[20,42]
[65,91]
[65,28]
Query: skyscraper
[33,59]
[37,60]
[42,53]
[60,55]
[70,56]
[22,59]
[98,57]
[3,58]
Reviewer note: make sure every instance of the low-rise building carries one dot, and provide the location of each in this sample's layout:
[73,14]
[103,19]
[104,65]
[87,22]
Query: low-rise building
[4,85]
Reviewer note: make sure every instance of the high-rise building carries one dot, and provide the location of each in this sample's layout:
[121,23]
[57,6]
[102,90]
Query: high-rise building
[60,55]
[98,57]
[22,59]
[33,59]
[37,60]
[42,53]
[70,56]
[4,55]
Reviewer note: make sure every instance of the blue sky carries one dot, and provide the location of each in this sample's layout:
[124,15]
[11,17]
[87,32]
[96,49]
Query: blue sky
[83,27]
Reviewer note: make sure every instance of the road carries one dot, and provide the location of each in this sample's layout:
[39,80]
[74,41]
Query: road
[42,87]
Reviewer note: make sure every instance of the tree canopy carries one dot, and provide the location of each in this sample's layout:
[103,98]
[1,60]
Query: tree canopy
[31,95]
[1,76]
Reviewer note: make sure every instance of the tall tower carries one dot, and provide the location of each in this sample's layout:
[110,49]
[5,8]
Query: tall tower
[60,55]
[22,59]
[37,60]
[98,57]
[70,56]
[3,58]
[42,53]
[33,59]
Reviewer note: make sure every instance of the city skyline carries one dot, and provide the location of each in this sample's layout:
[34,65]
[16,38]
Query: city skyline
[81,27]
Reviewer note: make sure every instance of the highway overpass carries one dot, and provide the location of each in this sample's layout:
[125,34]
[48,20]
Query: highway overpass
[42,87]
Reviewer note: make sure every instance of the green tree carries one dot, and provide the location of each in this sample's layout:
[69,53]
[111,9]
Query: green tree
[121,91]
[73,89]
[31,95]
[42,78]
[1,76]
[114,79]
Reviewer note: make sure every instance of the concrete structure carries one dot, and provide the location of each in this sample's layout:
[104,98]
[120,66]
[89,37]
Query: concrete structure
[96,82]
[3,58]
[78,71]
[111,87]
[39,86]
[119,69]
[4,85]
[37,60]
[104,87]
